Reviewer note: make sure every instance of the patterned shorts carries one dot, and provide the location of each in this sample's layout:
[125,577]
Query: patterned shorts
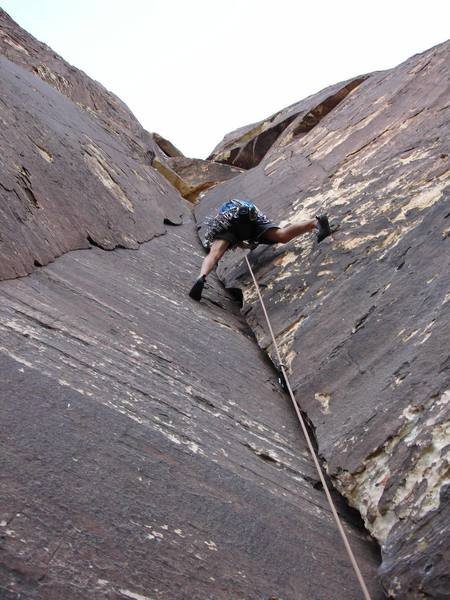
[238,221]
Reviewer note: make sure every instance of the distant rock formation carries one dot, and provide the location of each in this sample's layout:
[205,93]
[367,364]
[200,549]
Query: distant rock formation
[148,451]
[192,176]
[247,146]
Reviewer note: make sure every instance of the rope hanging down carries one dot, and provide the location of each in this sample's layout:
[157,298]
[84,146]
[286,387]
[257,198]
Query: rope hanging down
[310,446]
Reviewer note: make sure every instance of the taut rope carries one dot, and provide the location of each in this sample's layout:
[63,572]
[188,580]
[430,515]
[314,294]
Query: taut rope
[310,446]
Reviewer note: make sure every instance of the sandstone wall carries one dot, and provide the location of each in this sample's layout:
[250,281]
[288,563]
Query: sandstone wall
[148,450]
[363,319]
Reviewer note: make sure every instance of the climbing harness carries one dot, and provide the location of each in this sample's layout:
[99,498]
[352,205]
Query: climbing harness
[284,382]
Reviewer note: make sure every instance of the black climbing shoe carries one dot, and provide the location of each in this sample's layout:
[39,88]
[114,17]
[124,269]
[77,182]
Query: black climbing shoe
[323,229]
[197,288]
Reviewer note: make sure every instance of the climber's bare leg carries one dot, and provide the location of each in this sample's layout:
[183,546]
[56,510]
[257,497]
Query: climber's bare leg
[285,234]
[218,249]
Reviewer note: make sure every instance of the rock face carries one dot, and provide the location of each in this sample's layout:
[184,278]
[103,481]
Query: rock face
[148,450]
[73,166]
[363,319]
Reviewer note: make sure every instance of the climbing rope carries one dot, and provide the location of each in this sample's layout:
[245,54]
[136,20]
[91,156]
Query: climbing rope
[287,386]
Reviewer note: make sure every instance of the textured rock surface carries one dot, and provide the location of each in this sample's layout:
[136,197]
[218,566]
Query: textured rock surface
[146,445]
[66,181]
[363,319]
[147,451]
[74,166]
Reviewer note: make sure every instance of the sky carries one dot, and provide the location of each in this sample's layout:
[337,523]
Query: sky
[194,70]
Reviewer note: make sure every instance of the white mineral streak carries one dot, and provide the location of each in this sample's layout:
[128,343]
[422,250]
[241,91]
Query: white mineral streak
[285,341]
[101,168]
[395,198]
[211,545]
[13,43]
[424,199]
[333,139]
[268,170]
[324,401]
[44,153]
[134,595]
[365,488]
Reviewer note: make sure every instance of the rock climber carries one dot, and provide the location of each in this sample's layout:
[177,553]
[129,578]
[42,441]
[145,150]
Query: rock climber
[241,223]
